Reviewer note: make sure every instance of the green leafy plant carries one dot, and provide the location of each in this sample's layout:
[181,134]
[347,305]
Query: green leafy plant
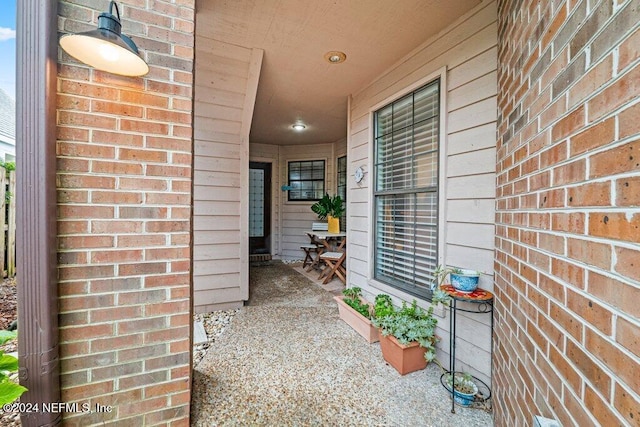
[440,274]
[328,205]
[9,391]
[413,323]
[352,297]
[8,166]
[463,383]
[383,306]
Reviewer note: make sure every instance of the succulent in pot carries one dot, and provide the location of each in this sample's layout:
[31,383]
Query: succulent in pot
[464,388]
[408,335]
[465,281]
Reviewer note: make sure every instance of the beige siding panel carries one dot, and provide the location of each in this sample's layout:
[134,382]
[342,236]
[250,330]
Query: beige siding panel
[471,234]
[219,281]
[206,125]
[473,115]
[201,192]
[467,52]
[471,187]
[472,163]
[205,163]
[215,223]
[217,179]
[207,300]
[211,96]
[215,237]
[225,265]
[217,251]
[225,81]
[221,150]
[209,207]
[478,66]
[474,211]
[477,90]
[473,139]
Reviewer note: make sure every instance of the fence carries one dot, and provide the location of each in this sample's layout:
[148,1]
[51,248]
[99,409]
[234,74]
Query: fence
[8,216]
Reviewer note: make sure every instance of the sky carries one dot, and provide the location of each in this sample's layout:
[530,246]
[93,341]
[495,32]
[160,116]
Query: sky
[8,47]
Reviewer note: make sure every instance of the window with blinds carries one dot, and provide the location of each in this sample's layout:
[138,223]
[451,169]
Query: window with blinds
[406,190]
[342,188]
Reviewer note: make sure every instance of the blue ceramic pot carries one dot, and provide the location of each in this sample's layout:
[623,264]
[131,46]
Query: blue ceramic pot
[464,399]
[466,282]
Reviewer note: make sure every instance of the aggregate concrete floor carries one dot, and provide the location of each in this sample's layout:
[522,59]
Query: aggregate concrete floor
[287,359]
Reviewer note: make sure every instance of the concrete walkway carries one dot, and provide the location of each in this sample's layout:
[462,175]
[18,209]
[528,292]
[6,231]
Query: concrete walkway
[288,360]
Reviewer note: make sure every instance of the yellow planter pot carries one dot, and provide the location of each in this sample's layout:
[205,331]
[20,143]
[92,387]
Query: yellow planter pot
[334,224]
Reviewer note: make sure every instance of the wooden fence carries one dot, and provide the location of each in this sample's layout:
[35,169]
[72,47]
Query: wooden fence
[8,216]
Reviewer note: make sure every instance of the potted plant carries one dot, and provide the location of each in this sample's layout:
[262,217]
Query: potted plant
[357,313]
[331,208]
[464,389]
[407,336]
[465,281]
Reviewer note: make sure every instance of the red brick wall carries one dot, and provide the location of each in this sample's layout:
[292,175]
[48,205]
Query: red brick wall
[124,205]
[568,213]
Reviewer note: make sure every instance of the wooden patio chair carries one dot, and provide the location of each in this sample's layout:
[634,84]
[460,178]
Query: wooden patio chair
[334,261]
[314,248]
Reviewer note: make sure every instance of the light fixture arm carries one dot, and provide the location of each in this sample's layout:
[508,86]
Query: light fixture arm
[106,20]
[106,48]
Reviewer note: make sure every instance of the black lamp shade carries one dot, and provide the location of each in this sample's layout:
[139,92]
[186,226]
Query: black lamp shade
[106,48]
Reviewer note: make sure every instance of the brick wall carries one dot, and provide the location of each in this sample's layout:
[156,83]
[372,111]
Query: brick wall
[568,213]
[124,205]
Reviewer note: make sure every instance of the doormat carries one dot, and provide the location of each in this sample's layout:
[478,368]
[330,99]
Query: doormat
[259,257]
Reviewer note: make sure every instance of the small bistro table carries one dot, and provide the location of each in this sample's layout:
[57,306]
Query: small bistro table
[483,301]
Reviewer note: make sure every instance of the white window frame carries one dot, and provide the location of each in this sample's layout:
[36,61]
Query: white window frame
[442,179]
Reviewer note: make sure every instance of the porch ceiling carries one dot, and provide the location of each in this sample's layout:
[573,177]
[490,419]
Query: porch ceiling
[296,82]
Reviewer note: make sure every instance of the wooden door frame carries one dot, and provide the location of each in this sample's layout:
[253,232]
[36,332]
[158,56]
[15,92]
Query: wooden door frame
[268,212]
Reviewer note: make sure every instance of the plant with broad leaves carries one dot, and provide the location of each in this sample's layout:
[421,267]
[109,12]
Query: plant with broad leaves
[413,323]
[9,391]
[352,297]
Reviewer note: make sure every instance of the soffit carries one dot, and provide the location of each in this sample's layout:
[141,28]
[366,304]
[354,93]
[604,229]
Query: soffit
[296,83]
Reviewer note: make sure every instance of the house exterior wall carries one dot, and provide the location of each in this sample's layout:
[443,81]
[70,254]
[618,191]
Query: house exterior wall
[292,219]
[297,217]
[568,213]
[467,52]
[124,155]
[226,81]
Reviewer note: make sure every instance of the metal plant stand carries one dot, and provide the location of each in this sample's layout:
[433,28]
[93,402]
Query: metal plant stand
[483,303]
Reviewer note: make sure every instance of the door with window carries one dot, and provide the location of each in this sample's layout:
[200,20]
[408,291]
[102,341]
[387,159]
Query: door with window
[259,208]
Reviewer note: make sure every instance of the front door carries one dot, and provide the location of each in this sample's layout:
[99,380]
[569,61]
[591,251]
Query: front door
[259,208]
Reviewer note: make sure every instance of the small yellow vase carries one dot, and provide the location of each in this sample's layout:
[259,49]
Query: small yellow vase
[334,224]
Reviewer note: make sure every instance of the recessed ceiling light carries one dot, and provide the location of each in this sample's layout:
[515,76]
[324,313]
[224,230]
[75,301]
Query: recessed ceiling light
[299,127]
[335,57]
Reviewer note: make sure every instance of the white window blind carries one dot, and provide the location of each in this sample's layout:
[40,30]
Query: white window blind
[406,190]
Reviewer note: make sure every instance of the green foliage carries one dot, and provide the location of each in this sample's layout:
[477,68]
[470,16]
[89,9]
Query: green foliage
[8,166]
[383,306]
[9,391]
[352,297]
[412,323]
[328,205]
[441,273]
[463,383]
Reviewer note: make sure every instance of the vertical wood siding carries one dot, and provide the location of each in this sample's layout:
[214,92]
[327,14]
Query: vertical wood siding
[468,51]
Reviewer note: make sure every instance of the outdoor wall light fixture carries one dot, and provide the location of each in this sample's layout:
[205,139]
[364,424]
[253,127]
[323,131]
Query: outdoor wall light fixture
[298,127]
[106,48]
